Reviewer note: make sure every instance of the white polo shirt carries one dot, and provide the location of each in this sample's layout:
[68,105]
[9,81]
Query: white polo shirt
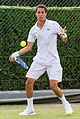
[46,41]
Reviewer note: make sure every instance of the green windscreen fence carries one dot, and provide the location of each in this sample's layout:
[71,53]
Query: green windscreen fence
[16,19]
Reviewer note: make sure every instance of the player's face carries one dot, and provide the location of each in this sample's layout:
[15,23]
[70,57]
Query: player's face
[41,14]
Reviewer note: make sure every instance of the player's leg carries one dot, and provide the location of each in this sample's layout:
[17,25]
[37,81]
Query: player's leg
[29,94]
[54,87]
[29,87]
[55,76]
[35,71]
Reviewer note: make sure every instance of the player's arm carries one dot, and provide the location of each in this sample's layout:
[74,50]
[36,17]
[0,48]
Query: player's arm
[22,51]
[26,49]
[63,34]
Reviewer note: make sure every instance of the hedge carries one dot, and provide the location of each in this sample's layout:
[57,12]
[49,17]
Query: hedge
[15,23]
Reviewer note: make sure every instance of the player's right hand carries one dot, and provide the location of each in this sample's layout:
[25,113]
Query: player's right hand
[11,59]
[13,56]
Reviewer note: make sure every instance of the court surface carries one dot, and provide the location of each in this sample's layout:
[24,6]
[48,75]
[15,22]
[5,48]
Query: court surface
[44,111]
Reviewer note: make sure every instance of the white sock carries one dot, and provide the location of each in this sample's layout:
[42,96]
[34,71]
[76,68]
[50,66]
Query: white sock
[63,99]
[30,102]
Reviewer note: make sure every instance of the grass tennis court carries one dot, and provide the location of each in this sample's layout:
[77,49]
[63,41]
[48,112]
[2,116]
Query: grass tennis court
[44,111]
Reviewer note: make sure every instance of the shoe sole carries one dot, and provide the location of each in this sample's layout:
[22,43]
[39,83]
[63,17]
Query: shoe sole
[27,114]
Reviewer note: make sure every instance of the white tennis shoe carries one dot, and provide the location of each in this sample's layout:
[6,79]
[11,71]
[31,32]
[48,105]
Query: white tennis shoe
[28,111]
[68,109]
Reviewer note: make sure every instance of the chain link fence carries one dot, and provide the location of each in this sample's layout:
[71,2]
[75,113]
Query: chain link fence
[16,19]
[48,3]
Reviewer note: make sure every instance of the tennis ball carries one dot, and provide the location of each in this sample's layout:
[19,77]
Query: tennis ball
[23,44]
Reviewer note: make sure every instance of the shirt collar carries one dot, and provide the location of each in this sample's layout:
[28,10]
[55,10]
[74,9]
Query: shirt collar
[43,25]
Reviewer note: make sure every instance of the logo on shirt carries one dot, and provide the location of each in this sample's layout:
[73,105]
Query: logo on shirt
[48,29]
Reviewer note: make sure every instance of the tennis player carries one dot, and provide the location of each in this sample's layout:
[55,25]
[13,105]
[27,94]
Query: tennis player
[47,59]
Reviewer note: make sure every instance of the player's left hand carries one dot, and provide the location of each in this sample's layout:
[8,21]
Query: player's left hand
[63,34]
[63,31]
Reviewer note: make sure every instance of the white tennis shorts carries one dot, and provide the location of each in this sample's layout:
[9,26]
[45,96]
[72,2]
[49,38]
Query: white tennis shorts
[54,71]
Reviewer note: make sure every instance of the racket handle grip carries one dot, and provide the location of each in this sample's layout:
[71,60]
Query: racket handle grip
[10,58]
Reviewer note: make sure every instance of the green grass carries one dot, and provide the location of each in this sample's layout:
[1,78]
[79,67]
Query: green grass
[44,111]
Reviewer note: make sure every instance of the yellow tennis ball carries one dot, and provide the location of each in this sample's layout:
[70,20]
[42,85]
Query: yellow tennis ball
[23,44]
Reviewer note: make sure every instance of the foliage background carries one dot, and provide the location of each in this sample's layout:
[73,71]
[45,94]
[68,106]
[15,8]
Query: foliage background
[15,23]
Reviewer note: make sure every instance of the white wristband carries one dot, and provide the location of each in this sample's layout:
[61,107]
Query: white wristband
[15,54]
[64,36]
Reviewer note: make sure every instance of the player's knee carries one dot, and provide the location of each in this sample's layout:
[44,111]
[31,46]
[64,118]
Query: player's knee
[29,82]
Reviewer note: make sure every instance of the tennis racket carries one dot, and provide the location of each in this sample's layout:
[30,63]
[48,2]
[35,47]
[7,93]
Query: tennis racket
[21,62]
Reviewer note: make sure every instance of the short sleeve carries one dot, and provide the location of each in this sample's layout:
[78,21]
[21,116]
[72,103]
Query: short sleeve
[58,31]
[31,37]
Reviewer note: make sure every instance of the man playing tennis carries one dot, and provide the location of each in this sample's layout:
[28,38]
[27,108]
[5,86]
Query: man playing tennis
[47,59]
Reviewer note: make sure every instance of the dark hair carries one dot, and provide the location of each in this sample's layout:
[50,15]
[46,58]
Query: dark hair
[41,6]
